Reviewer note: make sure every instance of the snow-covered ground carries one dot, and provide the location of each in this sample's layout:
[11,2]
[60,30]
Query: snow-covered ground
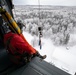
[62,57]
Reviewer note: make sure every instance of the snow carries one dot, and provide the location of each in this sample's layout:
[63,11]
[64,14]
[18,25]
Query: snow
[47,46]
[66,58]
[62,57]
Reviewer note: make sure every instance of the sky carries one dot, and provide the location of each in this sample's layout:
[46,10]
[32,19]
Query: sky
[45,2]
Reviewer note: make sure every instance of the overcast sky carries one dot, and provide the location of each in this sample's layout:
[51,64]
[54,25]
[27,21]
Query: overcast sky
[45,2]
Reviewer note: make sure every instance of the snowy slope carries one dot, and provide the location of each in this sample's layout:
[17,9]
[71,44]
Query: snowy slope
[47,46]
[62,57]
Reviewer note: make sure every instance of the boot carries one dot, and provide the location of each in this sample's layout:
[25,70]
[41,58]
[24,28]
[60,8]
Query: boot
[40,56]
[43,57]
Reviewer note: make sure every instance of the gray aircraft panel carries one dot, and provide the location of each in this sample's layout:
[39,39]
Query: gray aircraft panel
[38,67]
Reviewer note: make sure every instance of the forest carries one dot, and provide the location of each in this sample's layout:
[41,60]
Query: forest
[58,22]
